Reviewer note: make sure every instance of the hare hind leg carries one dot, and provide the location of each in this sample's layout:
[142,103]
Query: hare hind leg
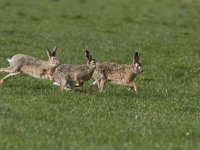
[12,72]
[7,70]
[8,76]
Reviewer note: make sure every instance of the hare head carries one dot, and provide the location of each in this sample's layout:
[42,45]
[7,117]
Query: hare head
[90,60]
[136,64]
[52,57]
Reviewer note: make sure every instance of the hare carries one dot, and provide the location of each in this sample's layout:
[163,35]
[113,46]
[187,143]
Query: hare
[68,76]
[117,73]
[31,66]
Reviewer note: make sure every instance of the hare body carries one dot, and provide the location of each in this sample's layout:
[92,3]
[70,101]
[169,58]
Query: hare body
[31,66]
[68,76]
[122,74]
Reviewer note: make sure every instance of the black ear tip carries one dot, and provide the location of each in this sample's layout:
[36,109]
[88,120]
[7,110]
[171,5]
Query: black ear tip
[87,53]
[136,54]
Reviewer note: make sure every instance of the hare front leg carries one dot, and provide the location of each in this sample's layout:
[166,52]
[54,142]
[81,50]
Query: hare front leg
[50,75]
[101,84]
[63,86]
[77,83]
[133,85]
[51,78]
[45,74]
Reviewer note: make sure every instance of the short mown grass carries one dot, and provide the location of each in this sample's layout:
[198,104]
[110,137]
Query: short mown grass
[165,114]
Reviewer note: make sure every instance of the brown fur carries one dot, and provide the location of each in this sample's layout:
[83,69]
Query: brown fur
[68,75]
[31,66]
[122,74]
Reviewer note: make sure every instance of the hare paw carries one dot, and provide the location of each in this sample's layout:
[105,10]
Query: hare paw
[1,81]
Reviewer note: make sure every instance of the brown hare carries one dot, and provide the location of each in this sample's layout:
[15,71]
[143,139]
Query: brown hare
[31,66]
[122,74]
[68,76]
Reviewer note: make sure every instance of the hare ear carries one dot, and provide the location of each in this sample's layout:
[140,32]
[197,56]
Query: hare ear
[136,58]
[139,56]
[53,53]
[88,55]
[48,52]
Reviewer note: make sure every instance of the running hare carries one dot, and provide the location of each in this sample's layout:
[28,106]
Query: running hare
[31,66]
[117,73]
[68,75]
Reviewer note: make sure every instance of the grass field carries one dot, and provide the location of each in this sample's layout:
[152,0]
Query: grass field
[165,115]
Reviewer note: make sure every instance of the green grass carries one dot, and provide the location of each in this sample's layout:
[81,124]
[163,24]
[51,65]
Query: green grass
[164,115]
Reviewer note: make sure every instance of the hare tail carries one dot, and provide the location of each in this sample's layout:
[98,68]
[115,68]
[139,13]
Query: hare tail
[9,60]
